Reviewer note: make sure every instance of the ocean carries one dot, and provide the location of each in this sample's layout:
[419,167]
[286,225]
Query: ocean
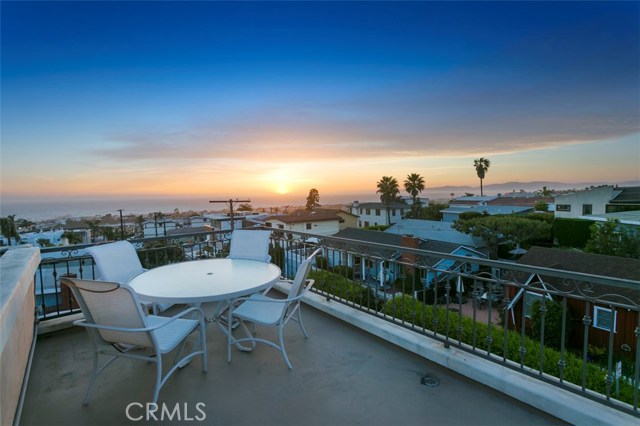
[40,210]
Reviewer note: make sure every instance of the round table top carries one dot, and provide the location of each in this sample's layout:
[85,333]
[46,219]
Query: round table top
[201,281]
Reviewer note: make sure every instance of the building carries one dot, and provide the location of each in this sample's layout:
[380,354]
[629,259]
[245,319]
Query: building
[536,286]
[375,213]
[378,267]
[597,201]
[436,231]
[319,221]
[452,214]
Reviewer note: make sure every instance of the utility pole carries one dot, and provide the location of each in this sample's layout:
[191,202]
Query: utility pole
[230,202]
[121,225]
[155,220]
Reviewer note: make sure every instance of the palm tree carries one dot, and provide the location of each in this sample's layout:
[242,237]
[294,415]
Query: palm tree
[94,227]
[482,166]
[8,228]
[388,190]
[414,185]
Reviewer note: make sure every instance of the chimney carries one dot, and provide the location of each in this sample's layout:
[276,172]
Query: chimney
[411,242]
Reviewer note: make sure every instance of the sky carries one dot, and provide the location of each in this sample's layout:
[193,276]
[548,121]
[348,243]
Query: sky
[246,99]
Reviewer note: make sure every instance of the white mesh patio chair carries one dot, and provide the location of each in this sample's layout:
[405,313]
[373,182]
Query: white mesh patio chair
[118,327]
[118,262]
[263,310]
[250,244]
[245,244]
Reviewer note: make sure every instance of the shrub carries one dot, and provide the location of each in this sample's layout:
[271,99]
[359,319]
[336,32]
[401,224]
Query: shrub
[407,309]
[343,271]
[552,323]
[572,232]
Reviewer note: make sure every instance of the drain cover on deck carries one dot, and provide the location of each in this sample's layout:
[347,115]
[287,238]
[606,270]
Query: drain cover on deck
[429,380]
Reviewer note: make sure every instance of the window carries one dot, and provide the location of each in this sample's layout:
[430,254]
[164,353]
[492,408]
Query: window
[368,211]
[602,318]
[587,208]
[280,226]
[269,224]
[563,207]
[377,212]
[529,298]
[366,223]
[308,225]
[393,212]
[360,223]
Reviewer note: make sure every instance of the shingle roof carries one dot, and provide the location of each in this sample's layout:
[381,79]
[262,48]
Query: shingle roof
[434,230]
[302,216]
[588,263]
[628,195]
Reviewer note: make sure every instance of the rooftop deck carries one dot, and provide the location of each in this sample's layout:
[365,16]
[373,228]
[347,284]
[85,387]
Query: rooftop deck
[341,376]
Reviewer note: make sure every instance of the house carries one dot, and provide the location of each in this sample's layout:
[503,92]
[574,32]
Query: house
[158,228]
[376,267]
[597,201]
[436,231]
[471,200]
[452,214]
[600,314]
[319,221]
[375,213]
[522,199]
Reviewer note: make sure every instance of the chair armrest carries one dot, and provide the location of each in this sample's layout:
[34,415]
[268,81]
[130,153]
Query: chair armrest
[84,323]
[272,300]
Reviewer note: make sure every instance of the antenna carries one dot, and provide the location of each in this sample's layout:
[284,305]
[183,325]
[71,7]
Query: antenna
[229,203]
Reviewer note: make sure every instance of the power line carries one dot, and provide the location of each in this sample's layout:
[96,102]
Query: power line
[230,203]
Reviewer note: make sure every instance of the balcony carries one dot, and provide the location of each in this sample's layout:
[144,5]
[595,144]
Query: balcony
[374,352]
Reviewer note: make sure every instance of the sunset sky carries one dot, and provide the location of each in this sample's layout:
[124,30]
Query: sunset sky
[246,99]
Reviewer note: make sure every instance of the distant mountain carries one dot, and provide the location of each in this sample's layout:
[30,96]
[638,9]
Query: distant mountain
[502,188]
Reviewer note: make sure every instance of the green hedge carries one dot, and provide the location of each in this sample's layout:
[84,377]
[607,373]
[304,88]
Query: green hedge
[344,288]
[410,310]
[572,232]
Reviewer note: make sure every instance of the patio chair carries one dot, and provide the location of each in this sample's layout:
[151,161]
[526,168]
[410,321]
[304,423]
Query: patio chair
[249,244]
[118,262]
[118,327]
[267,311]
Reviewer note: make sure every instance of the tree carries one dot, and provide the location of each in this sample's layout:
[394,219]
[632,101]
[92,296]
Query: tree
[312,200]
[433,211]
[541,206]
[8,228]
[140,225]
[94,227]
[388,190]
[613,239]
[244,207]
[495,230]
[43,242]
[414,185]
[482,166]
[72,237]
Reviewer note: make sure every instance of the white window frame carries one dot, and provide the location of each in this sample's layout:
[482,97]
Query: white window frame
[563,207]
[597,310]
[527,306]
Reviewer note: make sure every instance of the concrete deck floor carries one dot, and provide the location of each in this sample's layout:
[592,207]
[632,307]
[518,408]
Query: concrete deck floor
[341,376]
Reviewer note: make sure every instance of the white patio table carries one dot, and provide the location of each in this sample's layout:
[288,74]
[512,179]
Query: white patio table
[201,282]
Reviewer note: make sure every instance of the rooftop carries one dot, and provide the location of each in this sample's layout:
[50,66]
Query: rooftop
[341,376]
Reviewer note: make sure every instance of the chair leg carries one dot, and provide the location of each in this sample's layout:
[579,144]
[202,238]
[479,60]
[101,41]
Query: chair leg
[156,391]
[203,347]
[284,352]
[304,331]
[94,374]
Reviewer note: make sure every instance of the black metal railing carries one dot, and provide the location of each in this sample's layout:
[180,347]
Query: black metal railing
[576,331]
